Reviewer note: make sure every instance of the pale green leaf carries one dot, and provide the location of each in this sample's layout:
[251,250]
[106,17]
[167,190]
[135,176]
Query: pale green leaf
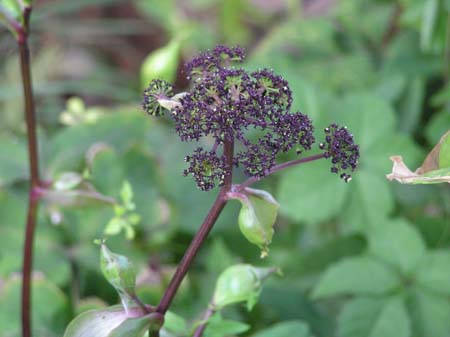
[434,272]
[397,243]
[285,329]
[372,317]
[356,275]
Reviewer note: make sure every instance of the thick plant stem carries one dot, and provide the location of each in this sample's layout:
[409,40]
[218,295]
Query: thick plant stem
[34,176]
[200,237]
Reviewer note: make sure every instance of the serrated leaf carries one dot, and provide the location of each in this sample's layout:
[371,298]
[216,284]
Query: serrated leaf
[429,313]
[311,193]
[372,317]
[434,272]
[356,275]
[285,329]
[397,243]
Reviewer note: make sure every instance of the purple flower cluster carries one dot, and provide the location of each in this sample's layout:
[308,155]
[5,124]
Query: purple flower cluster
[225,103]
[339,145]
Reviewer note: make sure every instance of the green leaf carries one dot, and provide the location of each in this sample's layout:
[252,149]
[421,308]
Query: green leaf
[105,173]
[434,272]
[110,322]
[372,317]
[161,63]
[218,327]
[175,323]
[126,194]
[339,279]
[370,200]
[50,308]
[257,217]
[311,193]
[240,283]
[286,329]
[429,313]
[115,226]
[398,243]
[429,21]
[13,161]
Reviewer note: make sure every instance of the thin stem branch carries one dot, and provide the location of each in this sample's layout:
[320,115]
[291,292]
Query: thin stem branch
[34,174]
[201,235]
[201,328]
[280,167]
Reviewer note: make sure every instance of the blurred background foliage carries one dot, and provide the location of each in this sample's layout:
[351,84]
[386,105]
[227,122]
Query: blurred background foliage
[368,258]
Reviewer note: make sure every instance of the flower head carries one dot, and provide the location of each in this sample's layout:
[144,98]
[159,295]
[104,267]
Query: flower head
[339,145]
[225,103]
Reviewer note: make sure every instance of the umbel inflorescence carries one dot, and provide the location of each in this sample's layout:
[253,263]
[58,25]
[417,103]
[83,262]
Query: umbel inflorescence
[226,102]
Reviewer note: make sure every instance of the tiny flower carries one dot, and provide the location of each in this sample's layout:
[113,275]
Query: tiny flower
[340,147]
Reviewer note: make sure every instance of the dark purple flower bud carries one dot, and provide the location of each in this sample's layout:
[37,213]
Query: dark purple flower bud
[340,147]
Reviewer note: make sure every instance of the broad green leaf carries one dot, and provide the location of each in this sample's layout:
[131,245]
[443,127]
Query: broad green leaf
[429,313]
[13,161]
[240,283]
[106,173]
[218,327]
[397,243]
[370,200]
[257,217]
[286,329]
[175,323]
[356,275]
[311,193]
[372,317]
[434,272]
[110,322]
[50,308]
[429,21]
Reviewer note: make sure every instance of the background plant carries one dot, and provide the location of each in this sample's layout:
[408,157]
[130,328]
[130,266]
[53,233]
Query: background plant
[398,74]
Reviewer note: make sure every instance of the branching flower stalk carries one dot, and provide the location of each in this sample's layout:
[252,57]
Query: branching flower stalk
[224,103]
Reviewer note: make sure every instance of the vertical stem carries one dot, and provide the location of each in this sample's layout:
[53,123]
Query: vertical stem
[201,235]
[34,174]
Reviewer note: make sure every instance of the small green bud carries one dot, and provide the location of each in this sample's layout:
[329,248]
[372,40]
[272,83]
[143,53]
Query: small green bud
[161,63]
[240,283]
[257,217]
[120,273]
